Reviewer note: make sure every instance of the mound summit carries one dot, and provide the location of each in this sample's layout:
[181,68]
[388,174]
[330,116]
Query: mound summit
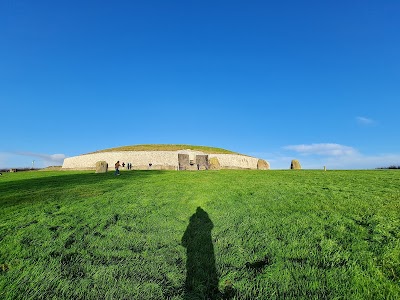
[166,157]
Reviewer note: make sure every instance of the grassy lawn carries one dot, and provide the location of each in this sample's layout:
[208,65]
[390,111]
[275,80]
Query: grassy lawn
[168,147]
[200,235]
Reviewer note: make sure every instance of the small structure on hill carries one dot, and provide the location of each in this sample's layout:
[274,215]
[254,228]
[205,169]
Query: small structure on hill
[295,165]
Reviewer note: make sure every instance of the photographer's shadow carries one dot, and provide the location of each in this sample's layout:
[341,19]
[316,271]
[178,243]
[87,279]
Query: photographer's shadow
[201,278]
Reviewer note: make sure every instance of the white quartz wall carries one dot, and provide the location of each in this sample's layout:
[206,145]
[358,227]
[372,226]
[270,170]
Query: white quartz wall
[235,161]
[138,159]
[158,159]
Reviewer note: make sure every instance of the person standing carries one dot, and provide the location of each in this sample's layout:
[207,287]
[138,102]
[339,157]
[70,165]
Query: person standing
[117,165]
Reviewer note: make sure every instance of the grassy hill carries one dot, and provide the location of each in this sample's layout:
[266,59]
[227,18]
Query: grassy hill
[191,235]
[169,147]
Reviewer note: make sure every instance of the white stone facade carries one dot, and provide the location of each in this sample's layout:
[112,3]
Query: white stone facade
[155,160]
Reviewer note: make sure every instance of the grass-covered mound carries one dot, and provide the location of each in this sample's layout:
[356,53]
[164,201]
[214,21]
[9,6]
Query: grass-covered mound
[169,147]
[200,235]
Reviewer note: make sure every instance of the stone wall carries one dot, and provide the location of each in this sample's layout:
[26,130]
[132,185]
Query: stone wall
[155,160]
[140,160]
[235,161]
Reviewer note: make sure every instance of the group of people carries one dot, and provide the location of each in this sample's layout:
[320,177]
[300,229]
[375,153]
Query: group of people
[118,165]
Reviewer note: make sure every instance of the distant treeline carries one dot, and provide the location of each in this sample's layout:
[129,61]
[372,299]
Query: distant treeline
[18,169]
[391,167]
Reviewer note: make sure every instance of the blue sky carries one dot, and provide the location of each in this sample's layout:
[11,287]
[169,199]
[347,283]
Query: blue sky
[317,81]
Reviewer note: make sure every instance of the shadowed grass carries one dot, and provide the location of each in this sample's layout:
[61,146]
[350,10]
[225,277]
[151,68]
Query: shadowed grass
[275,234]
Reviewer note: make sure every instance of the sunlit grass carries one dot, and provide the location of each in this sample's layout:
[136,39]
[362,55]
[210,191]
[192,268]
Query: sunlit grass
[274,234]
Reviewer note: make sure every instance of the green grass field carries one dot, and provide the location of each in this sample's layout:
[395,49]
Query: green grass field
[200,235]
[168,147]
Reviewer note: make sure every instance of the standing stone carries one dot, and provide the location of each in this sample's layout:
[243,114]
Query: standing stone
[183,161]
[295,165]
[262,165]
[202,162]
[101,166]
[214,164]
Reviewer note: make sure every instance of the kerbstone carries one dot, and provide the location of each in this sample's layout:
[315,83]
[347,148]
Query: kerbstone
[101,166]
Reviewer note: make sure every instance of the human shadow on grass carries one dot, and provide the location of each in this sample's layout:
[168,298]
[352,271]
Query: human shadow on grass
[201,273]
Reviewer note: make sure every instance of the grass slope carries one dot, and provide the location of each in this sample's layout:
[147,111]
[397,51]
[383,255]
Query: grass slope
[191,235]
[169,147]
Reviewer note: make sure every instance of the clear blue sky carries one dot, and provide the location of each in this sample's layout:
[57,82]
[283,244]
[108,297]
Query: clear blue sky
[318,81]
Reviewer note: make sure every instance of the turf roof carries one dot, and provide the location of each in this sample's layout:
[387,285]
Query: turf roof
[168,147]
